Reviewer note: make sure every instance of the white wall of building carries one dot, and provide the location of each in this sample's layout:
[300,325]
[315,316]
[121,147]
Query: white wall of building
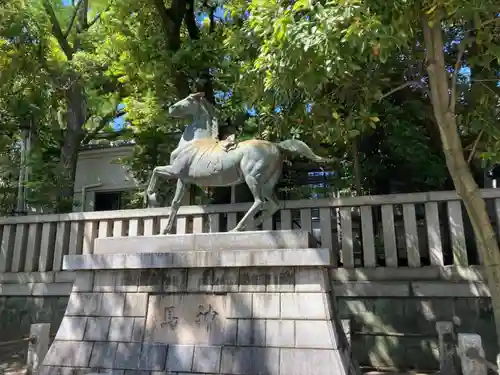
[100,170]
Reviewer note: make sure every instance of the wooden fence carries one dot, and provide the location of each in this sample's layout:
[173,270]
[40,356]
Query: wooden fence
[399,230]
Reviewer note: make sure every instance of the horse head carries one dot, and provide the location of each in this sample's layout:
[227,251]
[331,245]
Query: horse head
[197,107]
[190,106]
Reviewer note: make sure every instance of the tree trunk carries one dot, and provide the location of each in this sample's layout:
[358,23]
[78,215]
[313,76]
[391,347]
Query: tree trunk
[75,118]
[465,185]
[357,167]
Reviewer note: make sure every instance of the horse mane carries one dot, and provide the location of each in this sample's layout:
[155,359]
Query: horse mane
[210,109]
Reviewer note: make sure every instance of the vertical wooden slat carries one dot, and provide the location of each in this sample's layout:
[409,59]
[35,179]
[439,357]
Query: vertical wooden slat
[118,228]
[149,226]
[19,248]
[268,224]
[181,224]
[7,249]
[62,244]
[286,219]
[232,220]
[305,219]
[104,229]
[32,248]
[434,234]
[457,233]
[411,235]
[198,224]
[213,223]
[325,222]
[75,238]
[390,248]
[47,247]
[135,227]
[163,224]
[89,235]
[347,240]
[369,256]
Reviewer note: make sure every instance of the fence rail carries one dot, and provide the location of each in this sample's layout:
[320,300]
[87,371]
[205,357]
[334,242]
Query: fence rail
[399,230]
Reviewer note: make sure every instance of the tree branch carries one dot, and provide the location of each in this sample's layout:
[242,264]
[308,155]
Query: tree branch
[72,21]
[458,64]
[97,18]
[56,30]
[474,146]
[400,87]
[105,120]
[192,27]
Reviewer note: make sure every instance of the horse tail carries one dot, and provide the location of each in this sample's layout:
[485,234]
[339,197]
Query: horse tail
[298,147]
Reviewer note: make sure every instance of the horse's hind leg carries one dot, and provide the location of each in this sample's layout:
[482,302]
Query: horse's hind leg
[254,187]
[272,205]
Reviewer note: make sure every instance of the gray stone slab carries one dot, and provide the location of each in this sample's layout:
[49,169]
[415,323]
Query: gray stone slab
[84,281]
[153,357]
[226,280]
[138,330]
[97,328]
[135,304]
[239,305]
[266,305]
[180,358]
[127,281]
[280,333]
[316,334]
[372,289]
[121,329]
[254,279]
[281,280]
[304,306]
[105,281]
[279,239]
[248,360]
[207,359]
[455,289]
[103,355]
[127,356]
[251,332]
[200,280]
[88,304]
[72,328]
[311,362]
[55,370]
[150,281]
[311,280]
[174,280]
[69,354]
[112,304]
[200,259]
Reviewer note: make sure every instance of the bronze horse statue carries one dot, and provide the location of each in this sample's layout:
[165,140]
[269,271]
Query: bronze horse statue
[201,159]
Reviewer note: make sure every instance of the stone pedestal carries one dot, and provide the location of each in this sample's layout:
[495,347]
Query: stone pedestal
[225,303]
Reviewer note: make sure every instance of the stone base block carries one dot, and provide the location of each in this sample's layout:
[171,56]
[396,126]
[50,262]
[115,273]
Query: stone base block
[233,312]
[277,239]
[200,259]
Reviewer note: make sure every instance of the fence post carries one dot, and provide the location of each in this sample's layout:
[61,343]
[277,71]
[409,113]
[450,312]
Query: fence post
[470,366]
[446,338]
[38,346]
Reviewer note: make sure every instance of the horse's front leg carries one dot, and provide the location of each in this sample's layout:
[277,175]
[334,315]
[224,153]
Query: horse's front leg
[150,193]
[180,190]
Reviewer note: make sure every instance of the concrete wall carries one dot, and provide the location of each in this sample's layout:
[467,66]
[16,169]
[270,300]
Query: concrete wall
[393,311]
